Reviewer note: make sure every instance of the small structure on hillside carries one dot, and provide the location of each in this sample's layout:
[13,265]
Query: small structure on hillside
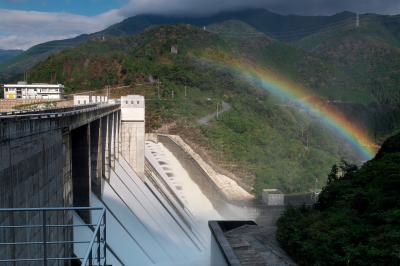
[174,49]
[273,197]
[89,99]
[41,91]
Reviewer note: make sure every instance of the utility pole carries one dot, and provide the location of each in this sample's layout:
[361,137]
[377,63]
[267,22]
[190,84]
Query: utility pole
[158,88]
[217,110]
[172,95]
[315,190]
[307,142]
[185,91]
[357,20]
[316,184]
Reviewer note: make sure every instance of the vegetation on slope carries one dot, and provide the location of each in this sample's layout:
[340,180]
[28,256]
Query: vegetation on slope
[370,53]
[356,218]
[263,141]
[285,28]
[6,55]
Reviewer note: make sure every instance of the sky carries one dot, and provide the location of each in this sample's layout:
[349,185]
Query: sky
[24,23]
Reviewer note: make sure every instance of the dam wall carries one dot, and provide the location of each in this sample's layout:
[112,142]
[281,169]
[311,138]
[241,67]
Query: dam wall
[216,184]
[49,160]
[95,156]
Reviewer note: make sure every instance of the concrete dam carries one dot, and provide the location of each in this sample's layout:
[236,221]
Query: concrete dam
[82,186]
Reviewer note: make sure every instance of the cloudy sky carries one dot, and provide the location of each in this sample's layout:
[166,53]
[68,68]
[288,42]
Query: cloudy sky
[24,23]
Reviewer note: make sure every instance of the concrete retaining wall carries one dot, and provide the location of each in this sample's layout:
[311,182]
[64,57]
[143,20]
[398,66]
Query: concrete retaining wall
[9,105]
[39,157]
[225,185]
[32,175]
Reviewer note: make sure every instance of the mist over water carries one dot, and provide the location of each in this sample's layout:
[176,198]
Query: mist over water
[163,221]
[200,205]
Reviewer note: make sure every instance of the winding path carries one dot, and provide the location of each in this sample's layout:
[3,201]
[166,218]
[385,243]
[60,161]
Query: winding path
[206,119]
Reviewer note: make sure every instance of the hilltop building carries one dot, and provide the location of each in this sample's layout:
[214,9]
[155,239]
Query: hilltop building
[23,90]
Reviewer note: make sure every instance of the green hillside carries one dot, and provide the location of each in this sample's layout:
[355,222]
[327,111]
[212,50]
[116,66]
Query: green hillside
[369,53]
[356,219]
[29,58]
[288,28]
[263,141]
[6,55]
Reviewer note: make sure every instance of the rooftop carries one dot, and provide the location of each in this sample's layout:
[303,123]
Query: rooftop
[34,85]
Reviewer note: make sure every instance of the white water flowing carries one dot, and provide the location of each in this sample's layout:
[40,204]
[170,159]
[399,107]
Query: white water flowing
[164,222]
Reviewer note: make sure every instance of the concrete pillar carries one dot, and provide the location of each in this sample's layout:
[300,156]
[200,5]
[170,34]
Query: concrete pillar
[67,191]
[119,134]
[113,138]
[109,142]
[133,131]
[116,125]
[96,157]
[80,142]
[104,151]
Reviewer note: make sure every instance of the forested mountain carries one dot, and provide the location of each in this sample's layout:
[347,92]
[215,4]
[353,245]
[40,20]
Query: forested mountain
[6,55]
[288,28]
[370,52]
[264,141]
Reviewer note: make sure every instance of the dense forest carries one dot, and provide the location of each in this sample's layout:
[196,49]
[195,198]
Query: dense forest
[356,218]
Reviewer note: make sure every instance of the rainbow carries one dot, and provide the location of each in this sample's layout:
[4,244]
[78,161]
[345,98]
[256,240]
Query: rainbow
[281,87]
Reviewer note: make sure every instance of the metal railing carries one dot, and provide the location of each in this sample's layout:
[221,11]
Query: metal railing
[47,233]
[97,255]
[56,112]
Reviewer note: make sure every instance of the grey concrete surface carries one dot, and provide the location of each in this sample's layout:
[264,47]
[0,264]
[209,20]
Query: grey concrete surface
[46,160]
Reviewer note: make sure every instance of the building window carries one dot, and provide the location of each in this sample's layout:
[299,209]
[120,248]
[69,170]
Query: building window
[79,101]
[137,102]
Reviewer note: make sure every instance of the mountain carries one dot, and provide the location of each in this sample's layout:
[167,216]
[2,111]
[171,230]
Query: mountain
[6,55]
[285,28]
[355,221]
[27,59]
[370,52]
[267,143]
[270,23]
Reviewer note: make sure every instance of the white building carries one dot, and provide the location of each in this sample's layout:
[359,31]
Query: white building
[22,90]
[89,99]
[273,197]
[132,108]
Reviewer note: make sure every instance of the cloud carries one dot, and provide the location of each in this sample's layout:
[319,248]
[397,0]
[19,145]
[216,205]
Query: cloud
[22,29]
[305,7]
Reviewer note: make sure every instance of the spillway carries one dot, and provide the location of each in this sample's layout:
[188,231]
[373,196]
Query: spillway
[159,219]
